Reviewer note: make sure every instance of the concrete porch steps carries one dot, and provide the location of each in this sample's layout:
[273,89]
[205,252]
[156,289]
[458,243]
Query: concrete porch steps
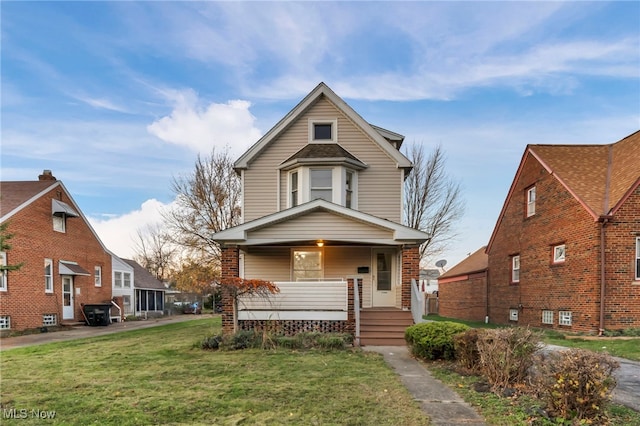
[384,327]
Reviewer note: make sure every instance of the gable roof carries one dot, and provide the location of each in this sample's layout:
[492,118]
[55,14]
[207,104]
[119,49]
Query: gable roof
[376,134]
[401,234]
[142,279]
[17,195]
[478,261]
[600,177]
[14,195]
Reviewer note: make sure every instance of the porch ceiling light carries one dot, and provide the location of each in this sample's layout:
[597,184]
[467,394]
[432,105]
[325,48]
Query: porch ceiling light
[320,243]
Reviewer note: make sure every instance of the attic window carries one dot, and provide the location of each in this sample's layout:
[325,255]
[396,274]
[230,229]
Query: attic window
[323,131]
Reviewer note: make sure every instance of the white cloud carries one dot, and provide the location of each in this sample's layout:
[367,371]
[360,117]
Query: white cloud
[201,128]
[119,233]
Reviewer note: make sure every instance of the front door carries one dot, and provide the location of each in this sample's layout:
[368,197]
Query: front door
[384,293]
[67,297]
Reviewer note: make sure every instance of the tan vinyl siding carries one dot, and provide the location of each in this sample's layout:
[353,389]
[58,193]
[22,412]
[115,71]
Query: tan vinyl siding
[379,186]
[343,262]
[300,296]
[268,263]
[321,225]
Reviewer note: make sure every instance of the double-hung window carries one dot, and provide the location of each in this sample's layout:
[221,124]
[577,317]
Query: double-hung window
[531,201]
[348,187]
[294,189]
[321,184]
[3,271]
[60,222]
[515,269]
[48,276]
[97,276]
[126,280]
[117,279]
[559,253]
[637,258]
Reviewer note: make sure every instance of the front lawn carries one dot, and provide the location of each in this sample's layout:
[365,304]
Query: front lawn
[158,376]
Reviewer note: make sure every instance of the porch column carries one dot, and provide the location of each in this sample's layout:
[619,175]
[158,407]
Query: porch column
[230,268]
[410,269]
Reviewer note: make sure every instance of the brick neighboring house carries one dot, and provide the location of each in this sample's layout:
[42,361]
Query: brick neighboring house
[65,264]
[322,211]
[462,290]
[565,252]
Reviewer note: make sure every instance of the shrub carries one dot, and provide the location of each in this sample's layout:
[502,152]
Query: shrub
[211,342]
[466,348]
[506,354]
[433,340]
[243,339]
[576,384]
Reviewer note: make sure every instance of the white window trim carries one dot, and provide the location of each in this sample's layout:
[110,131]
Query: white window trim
[565,318]
[117,283]
[637,263]
[48,279]
[97,276]
[290,188]
[559,253]
[124,281]
[60,223]
[354,188]
[515,260]
[531,201]
[338,185]
[547,317]
[4,275]
[334,130]
[315,249]
[5,322]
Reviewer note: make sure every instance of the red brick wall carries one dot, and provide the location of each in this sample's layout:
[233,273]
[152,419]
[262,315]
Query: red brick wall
[463,299]
[410,269]
[34,240]
[230,268]
[622,306]
[573,285]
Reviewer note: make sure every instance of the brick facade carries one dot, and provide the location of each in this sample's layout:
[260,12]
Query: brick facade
[464,297]
[410,270]
[34,240]
[230,268]
[572,285]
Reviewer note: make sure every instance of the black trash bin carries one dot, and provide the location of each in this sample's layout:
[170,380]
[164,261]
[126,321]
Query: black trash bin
[97,314]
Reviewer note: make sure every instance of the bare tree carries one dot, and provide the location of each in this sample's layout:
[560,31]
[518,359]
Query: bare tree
[207,201]
[433,201]
[155,251]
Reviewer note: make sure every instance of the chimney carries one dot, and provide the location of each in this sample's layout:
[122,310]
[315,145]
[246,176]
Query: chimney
[46,175]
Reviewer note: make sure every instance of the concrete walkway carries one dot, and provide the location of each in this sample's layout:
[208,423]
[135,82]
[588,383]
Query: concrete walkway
[437,400]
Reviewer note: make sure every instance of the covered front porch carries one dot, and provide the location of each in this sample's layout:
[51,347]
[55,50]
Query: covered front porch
[328,262]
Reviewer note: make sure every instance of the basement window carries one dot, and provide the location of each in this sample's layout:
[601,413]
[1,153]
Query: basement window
[547,317]
[513,315]
[564,318]
[5,322]
[49,319]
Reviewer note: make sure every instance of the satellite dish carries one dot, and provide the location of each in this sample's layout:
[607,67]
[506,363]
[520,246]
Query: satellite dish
[441,263]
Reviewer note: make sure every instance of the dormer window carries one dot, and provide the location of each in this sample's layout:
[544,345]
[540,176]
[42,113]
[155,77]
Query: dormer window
[323,131]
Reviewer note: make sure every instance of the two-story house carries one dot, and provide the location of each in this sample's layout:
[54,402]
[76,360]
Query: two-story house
[322,211]
[565,251]
[64,263]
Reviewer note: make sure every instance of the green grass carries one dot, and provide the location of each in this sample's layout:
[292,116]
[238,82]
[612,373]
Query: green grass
[520,410]
[158,376]
[629,349]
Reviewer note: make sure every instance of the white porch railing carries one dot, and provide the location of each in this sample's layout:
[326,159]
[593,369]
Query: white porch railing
[299,300]
[417,303]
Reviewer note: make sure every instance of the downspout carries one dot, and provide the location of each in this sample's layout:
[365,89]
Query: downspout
[603,223]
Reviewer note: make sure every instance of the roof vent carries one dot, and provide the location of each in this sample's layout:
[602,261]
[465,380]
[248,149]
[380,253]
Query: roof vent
[46,175]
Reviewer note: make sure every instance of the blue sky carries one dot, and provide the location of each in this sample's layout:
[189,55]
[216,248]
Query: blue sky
[117,98]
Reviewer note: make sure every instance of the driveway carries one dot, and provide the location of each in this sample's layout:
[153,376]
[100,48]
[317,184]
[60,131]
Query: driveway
[82,331]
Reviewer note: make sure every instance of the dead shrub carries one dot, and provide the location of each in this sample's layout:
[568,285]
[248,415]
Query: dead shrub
[466,347]
[506,354]
[576,384]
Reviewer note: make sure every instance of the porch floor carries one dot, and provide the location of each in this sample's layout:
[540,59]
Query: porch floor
[384,326]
